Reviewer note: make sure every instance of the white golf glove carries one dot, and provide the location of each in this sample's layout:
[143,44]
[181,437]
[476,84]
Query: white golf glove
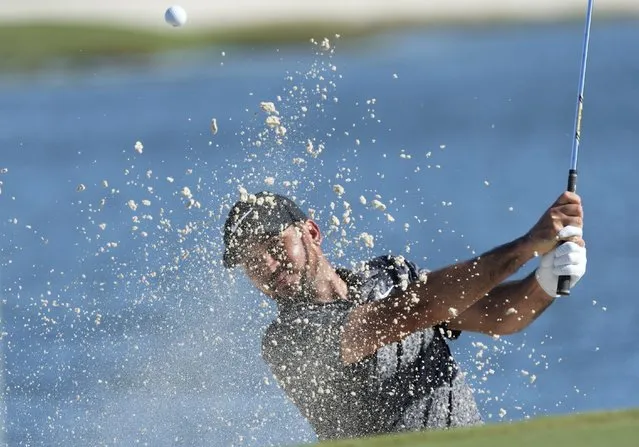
[566,259]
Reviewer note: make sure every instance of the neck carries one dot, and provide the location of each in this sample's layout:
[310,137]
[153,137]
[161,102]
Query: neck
[328,286]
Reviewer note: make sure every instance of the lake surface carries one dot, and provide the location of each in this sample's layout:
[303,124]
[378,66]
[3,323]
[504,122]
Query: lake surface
[120,326]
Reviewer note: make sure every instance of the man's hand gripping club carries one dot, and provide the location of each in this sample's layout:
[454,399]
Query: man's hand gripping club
[563,222]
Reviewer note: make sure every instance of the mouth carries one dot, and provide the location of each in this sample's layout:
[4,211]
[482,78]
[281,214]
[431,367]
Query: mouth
[282,280]
[277,280]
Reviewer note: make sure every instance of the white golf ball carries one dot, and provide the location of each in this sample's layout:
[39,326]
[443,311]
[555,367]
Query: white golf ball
[175,16]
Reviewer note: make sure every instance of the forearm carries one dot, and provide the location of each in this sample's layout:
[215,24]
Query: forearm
[508,308]
[450,291]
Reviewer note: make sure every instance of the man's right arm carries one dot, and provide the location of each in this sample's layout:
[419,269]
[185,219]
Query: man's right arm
[448,292]
[445,294]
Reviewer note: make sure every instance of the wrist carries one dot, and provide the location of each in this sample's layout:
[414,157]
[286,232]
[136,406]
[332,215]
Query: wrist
[526,246]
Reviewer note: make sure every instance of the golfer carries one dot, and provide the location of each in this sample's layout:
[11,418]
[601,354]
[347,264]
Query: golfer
[366,352]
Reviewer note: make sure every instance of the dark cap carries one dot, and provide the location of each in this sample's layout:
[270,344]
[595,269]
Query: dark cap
[254,217]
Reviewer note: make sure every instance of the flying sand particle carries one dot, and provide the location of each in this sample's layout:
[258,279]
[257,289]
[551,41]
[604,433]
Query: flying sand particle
[214,126]
[312,151]
[268,107]
[280,131]
[367,239]
[378,205]
[273,121]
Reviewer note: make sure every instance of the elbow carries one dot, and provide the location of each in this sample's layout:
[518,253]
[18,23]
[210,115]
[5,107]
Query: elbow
[507,330]
[512,322]
[509,326]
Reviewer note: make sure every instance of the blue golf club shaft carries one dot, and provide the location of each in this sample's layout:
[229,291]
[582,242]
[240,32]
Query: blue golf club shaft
[563,284]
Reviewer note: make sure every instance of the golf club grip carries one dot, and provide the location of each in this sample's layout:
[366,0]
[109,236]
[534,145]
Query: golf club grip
[563,283]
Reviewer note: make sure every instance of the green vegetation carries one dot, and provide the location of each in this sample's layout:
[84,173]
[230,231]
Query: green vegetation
[618,429]
[34,46]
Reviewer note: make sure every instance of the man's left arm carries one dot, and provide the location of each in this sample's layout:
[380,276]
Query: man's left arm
[512,306]
[508,308]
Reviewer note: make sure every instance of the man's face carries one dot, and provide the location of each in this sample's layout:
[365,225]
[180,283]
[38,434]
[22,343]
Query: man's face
[279,266]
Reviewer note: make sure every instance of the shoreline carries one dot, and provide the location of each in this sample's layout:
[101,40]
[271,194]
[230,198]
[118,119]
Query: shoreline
[35,45]
[203,14]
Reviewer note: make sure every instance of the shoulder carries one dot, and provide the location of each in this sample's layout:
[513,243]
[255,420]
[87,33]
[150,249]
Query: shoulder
[386,271]
[392,264]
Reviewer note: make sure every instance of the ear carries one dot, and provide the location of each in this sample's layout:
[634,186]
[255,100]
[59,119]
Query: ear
[313,231]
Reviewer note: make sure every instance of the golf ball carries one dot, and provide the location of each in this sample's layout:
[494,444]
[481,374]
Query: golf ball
[175,16]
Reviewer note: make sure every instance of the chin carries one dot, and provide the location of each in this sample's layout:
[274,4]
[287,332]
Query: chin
[289,290]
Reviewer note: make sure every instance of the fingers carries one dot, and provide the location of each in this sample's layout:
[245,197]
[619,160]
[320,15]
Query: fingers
[567,211]
[570,215]
[568,197]
[570,209]
[564,222]
[576,270]
[570,259]
[573,234]
[577,240]
[566,250]
[570,231]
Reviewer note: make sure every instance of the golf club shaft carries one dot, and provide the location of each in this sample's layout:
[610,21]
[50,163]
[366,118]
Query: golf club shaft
[563,284]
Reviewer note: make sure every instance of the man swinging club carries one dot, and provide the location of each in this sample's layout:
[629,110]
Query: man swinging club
[365,352]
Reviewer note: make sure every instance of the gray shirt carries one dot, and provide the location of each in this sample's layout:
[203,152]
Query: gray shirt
[409,385]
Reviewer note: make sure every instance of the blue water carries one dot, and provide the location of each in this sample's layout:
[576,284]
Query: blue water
[123,335]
